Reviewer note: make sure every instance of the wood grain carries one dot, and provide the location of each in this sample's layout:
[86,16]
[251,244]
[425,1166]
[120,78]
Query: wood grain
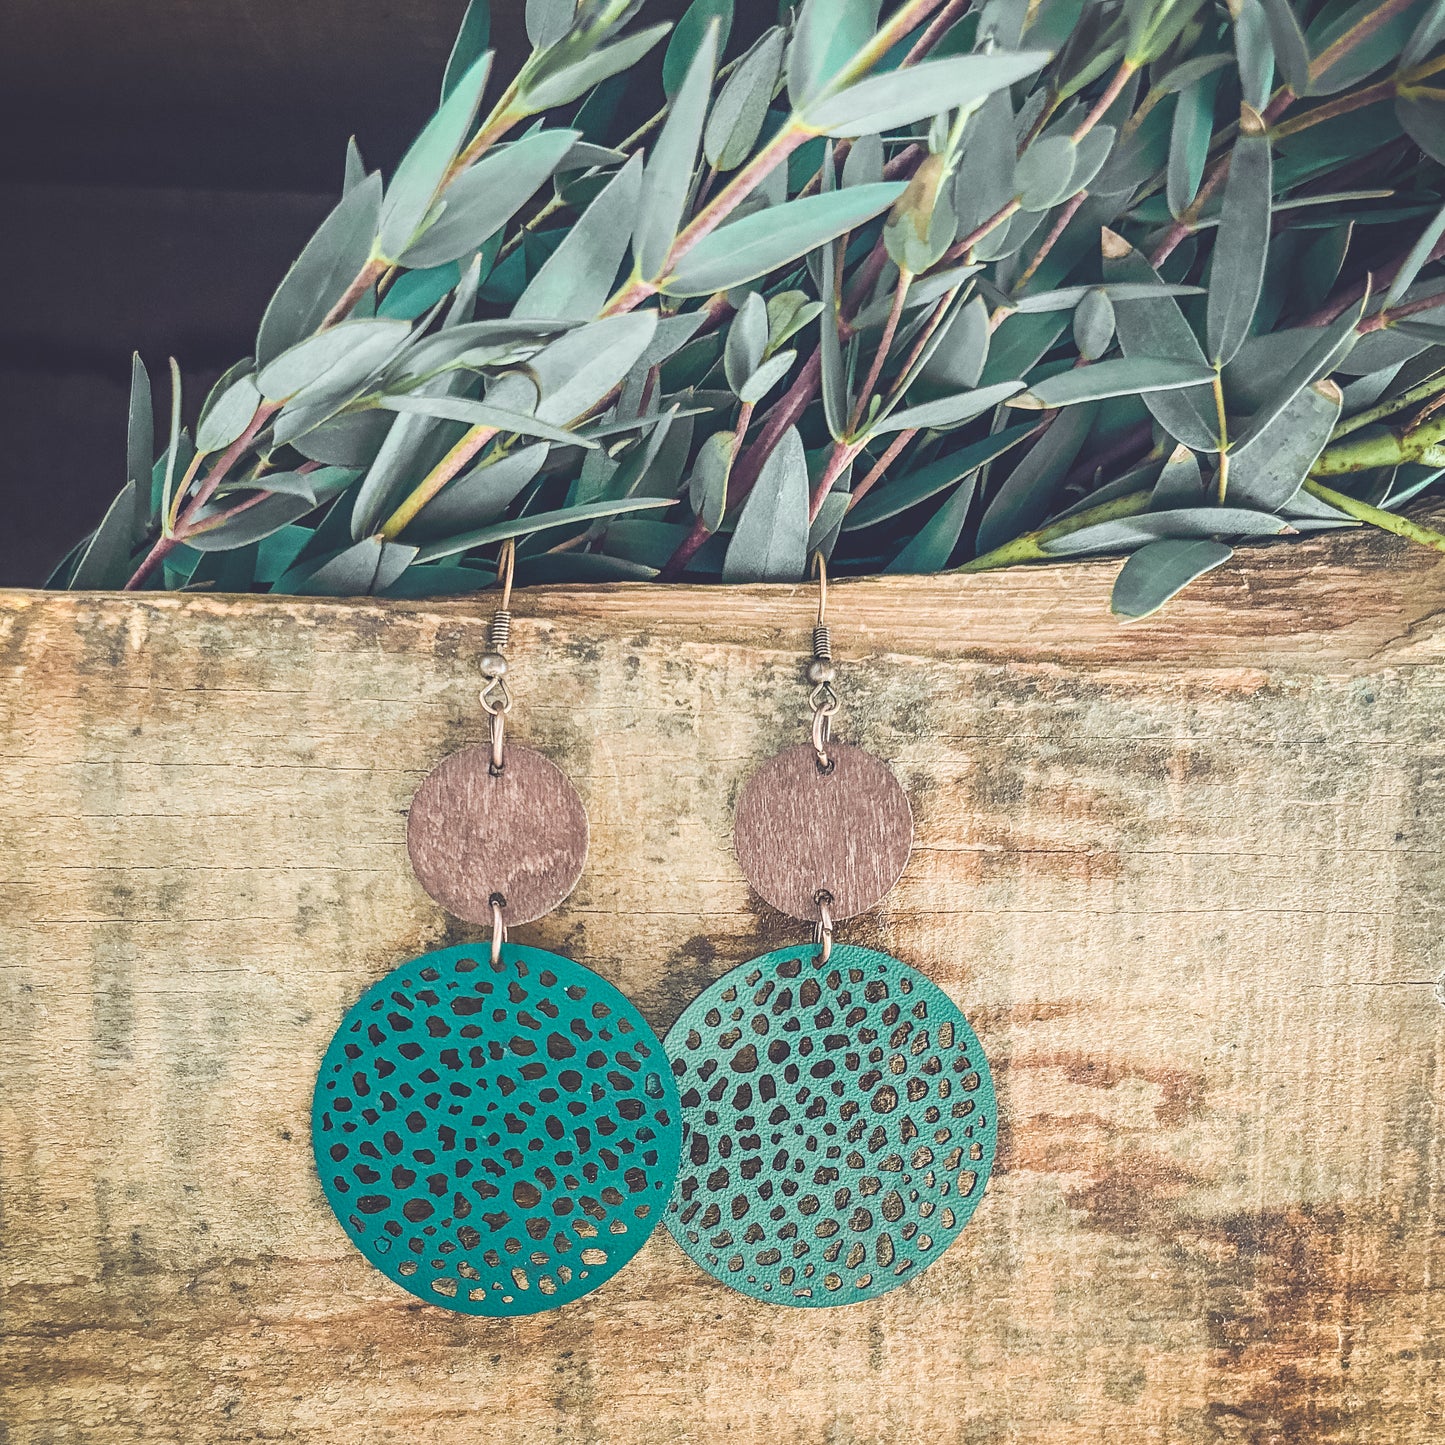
[1184,877]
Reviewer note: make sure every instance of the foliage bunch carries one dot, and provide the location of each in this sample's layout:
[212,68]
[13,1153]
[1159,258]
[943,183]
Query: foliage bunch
[967,284]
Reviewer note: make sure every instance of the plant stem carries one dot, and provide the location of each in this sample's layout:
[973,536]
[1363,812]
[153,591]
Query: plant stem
[1111,94]
[1340,105]
[880,352]
[1066,214]
[1222,477]
[369,274]
[166,544]
[1380,16]
[470,444]
[1423,392]
[1030,546]
[1386,521]
[895,447]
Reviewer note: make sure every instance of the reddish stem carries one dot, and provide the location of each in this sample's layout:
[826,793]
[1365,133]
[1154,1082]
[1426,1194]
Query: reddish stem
[1375,20]
[876,472]
[1101,106]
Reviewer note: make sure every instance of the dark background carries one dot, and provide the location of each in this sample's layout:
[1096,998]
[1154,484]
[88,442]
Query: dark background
[163,162]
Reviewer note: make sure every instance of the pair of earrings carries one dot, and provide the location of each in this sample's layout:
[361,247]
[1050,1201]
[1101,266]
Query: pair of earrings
[499,1130]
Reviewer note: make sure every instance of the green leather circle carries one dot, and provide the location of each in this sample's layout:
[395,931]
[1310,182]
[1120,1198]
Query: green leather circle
[496,1138]
[839,1126]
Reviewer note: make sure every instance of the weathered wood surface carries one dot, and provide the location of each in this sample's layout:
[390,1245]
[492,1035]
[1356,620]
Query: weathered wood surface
[1184,877]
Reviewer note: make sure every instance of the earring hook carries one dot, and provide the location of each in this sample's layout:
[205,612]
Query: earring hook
[495,698]
[821,671]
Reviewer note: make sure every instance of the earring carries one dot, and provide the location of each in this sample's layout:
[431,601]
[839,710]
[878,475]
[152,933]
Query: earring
[838,1114]
[496,1128]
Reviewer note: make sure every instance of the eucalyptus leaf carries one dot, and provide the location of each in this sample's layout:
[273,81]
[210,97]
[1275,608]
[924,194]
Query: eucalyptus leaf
[362,569]
[930,549]
[1155,328]
[216,531]
[688,37]
[1291,49]
[949,411]
[486,196]
[1126,533]
[140,441]
[763,242]
[470,45]
[766,377]
[1045,172]
[1159,570]
[105,562]
[565,83]
[667,179]
[577,517]
[770,542]
[1267,471]
[1189,141]
[418,179]
[1028,493]
[322,272]
[229,414]
[827,35]
[1126,376]
[707,488]
[737,116]
[1179,483]
[349,349]
[483,413]
[1414,262]
[957,362]
[898,495]
[577,278]
[898,98]
[747,340]
[1094,323]
[1242,246]
[547,21]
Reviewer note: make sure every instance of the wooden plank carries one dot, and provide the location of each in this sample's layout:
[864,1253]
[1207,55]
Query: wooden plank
[1184,877]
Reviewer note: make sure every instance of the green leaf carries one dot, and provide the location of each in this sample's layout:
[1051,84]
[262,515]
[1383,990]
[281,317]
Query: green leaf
[1159,570]
[486,196]
[579,369]
[690,35]
[707,487]
[767,240]
[828,34]
[770,543]
[565,83]
[360,570]
[1425,37]
[332,259]
[413,189]
[350,349]
[741,107]
[1189,141]
[1029,492]
[483,413]
[948,411]
[1156,328]
[984,181]
[577,278]
[173,451]
[354,171]
[1241,247]
[929,550]
[1180,483]
[547,21]
[1127,376]
[1255,52]
[1188,71]
[1325,353]
[898,98]
[747,340]
[577,517]
[105,563]
[1267,471]
[788,313]
[1413,263]
[318,487]
[479,496]
[1376,47]
[469,46]
[957,362]
[214,531]
[897,496]
[228,413]
[1045,171]
[1065,298]
[766,377]
[1094,323]
[140,438]
[667,180]
[1126,533]
[414,293]
[1291,50]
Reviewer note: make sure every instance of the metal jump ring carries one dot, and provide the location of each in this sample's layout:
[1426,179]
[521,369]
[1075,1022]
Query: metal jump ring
[499,730]
[823,929]
[499,928]
[822,735]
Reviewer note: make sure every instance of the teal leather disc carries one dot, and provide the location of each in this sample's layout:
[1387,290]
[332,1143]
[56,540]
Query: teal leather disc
[839,1126]
[497,1139]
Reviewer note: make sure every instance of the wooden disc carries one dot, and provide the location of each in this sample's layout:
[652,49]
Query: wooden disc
[799,830]
[521,835]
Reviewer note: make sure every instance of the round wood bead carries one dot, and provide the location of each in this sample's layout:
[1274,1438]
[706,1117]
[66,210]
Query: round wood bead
[801,830]
[519,835]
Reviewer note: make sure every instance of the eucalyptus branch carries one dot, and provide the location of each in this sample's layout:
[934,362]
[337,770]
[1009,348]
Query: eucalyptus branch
[1030,546]
[1375,516]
